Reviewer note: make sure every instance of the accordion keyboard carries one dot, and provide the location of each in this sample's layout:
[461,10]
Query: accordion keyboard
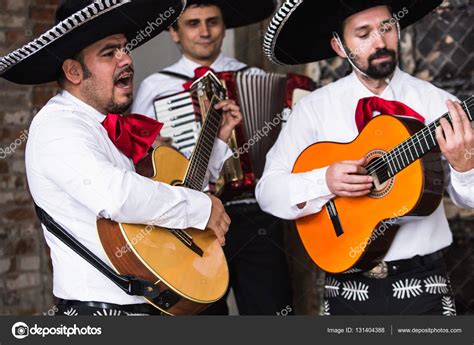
[181,122]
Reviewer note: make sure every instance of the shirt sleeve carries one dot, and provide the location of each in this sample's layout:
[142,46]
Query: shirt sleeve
[279,191]
[460,186]
[220,153]
[69,154]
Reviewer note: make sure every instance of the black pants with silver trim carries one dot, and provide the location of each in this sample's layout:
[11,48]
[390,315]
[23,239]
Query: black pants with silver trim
[79,308]
[421,290]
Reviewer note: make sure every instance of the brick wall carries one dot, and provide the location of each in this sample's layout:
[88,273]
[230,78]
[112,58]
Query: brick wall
[25,273]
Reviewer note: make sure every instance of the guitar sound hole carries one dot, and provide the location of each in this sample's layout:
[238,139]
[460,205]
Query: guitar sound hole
[379,190]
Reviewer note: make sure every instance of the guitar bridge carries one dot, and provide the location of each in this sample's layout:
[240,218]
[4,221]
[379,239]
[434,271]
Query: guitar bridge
[334,216]
[187,240]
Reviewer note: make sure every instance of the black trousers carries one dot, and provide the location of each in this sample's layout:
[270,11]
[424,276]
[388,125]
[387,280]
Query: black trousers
[257,263]
[422,290]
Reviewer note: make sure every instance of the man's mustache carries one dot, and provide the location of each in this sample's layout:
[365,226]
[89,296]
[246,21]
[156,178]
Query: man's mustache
[381,53]
[126,70]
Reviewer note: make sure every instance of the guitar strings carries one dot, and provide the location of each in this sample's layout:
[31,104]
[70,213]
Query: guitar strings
[191,179]
[380,165]
[428,127]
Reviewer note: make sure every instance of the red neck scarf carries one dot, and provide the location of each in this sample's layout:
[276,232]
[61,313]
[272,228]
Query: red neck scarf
[366,107]
[132,134]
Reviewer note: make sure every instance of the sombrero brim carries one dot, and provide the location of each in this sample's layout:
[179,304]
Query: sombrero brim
[306,17]
[40,61]
[243,12]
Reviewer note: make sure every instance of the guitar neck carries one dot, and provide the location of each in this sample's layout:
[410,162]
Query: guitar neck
[414,147]
[203,149]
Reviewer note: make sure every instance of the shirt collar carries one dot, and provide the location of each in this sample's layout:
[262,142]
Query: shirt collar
[389,93]
[84,107]
[218,65]
[188,66]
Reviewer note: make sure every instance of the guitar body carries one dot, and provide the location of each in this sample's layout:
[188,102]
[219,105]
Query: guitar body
[192,281]
[369,222]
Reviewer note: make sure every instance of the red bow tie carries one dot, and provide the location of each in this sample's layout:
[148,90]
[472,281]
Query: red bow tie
[366,107]
[132,134]
[198,73]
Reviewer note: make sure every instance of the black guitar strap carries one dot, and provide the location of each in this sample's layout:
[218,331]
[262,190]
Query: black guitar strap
[176,75]
[129,284]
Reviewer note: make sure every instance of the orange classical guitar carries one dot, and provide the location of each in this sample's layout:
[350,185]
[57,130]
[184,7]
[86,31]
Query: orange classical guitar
[404,160]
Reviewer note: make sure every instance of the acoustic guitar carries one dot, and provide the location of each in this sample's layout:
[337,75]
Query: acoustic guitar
[404,160]
[188,266]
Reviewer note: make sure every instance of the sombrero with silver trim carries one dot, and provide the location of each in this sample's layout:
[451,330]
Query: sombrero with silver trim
[282,43]
[80,23]
[238,13]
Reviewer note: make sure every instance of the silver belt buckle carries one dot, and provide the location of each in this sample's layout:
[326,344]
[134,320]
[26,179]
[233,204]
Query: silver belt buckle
[378,272]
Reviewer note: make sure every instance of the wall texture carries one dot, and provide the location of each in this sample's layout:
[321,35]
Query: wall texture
[25,274]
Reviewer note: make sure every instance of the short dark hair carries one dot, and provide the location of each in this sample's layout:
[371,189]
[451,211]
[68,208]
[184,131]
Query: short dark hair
[79,57]
[195,3]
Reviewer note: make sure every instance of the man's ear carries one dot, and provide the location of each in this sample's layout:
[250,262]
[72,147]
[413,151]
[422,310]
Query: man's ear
[72,71]
[174,35]
[337,48]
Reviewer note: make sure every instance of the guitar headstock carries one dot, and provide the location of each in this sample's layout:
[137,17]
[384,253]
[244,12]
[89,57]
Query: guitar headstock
[210,85]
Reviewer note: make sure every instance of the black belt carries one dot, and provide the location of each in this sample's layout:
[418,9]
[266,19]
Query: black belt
[388,268]
[143,308]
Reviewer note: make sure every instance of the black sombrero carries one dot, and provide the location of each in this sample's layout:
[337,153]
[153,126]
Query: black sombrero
[307,17]
[239,13]
[80,23]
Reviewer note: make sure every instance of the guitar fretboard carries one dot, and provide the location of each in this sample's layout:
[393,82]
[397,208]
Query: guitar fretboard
[413,148]
[202,152]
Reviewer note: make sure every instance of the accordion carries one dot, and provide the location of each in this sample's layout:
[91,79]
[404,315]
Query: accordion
[265,100]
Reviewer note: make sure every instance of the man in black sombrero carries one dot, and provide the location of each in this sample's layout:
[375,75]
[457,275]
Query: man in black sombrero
[257,264]
[411,278]
[81,152]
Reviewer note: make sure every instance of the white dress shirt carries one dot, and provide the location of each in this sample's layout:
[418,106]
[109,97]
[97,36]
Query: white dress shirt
[327,114]
[76,174]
